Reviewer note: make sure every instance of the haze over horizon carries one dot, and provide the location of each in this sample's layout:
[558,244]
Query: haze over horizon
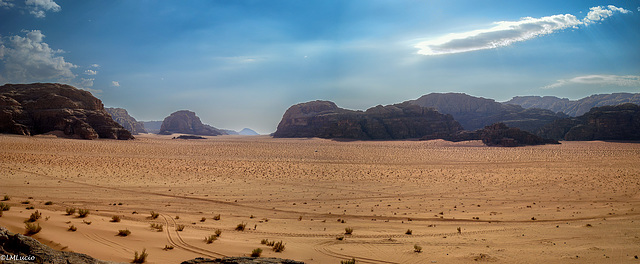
[243,63]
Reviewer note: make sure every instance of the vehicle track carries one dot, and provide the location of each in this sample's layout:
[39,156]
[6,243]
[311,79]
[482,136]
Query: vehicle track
[323,249]
[177,241]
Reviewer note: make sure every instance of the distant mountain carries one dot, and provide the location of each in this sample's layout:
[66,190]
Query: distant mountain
[152,126]
[577,107]
[123,118]
[621,122]
[229,132]
[476,112]
[186,122]
[37,108]
[248,132]
[325,119]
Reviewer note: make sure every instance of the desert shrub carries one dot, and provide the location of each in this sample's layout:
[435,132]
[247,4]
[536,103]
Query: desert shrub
[70,211]
[278,246]
[167,247]
[25,202]
[142,258]
[264,241]
[216,217]
[209,239]
[459,230]
[179,227]
[340,238]
[4,207]
[154,215]
[30,208]
[177,217]
[409,232]
[34,216]
[157,227]
[86,222]
[351,261]
[241,226]
[6,198]
[72,228]
[218,232]
[417,248]
[256,253]
[82,213]
[48,203]
[124,232]
[270,243]
[348,231]
[115,219]
[203,219]
[32,229]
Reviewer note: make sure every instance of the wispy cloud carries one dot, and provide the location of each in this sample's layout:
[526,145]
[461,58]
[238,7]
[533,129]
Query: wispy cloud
[115,83]
[504,33]
[29,58]
[612,80]
[38,7]
[6,3]
[90,72]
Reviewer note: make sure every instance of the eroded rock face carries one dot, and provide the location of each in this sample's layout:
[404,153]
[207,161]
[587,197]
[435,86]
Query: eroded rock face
[186,122]
[577,107]
[37,108]
[325,119]
[123,118]
[501,135]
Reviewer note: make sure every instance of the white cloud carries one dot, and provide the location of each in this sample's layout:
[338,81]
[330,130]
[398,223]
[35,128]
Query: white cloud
[114,83]
[95,65]
[504,33]
[611,80]
[29,59]
[86,82]
[6,3]
[90,72]
[38,7]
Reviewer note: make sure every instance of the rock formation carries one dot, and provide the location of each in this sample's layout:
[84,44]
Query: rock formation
[186,122]
[248,132]
[242,260]
[123,118]
[577,107]
[476,112]
[325,119]
[497,134]
[621,122]
[32,251]
[30,109]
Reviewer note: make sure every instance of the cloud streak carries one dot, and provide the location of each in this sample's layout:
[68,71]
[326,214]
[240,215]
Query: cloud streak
[505,33]
[603,80]
[38,7]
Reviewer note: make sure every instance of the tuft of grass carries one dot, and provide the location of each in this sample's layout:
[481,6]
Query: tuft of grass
[124,232]
[256,253]
[278,246]
[270,243]
[264,241]
[177,217]
[459,230]
[218,232]
[340,238]
[30,208]
[25,202]
[203,219]
[209,239]
[6,198]
[157,227]
[588,225]
[4,207]
[417,248]
[216,217]
[82,213]
[48,203]
[70,211]
[348,231]
[115,219]
[179,227]
[72,228]
[34,217]
[167,247]
[409,232]
[32,229]
[142,258]
[241,226]
[154,215]
[351,261]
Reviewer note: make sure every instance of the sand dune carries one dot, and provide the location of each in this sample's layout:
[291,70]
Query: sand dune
[574,202]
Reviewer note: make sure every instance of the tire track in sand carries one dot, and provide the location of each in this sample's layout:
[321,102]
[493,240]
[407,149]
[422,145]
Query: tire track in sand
[177,241]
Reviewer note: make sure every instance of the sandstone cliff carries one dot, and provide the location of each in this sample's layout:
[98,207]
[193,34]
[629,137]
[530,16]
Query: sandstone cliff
[123,118]
[186,122]
[30,109]
[574,107]
[325,119]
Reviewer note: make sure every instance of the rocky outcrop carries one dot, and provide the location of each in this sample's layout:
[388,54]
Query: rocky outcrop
[30,109]
[574,107]
[497,134]
[621,122]
[152,126]
[123,118]
[325,119]
[27,250]
[186,122]
[476,112]
[242,260]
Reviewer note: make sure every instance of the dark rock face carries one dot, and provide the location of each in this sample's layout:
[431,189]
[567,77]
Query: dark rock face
[475,112]
[25,247]
[242,260]
[325,119]
[497,134]
[621,122]
[123,118]
[30,109]
[187,122]
[574,108]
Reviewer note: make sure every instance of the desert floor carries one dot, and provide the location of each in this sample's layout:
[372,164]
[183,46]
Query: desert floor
[578,202]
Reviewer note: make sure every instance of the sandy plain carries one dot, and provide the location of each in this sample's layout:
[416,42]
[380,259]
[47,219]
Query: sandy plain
[578,202]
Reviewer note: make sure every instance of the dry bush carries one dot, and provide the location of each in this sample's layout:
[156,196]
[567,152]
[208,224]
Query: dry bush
[32,229]
[70,211]
[278,246]
[48,203]
[216,217]
[124,232]
[142,258]
[72,228]
[340,238]
[348,231]
[409,232]
[203,219]
[25,202]
[179,227]
[209,239]
[6,198]
[218,232]
[351,261]
[4,207]
[256,253]
[82,213]
[417,248]
[241,226]
[154,215]
[115,219]
[157,227]
[264,241]
[34,217]
[167,247]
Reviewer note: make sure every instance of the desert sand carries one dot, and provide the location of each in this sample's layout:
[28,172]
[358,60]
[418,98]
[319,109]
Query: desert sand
[578,202]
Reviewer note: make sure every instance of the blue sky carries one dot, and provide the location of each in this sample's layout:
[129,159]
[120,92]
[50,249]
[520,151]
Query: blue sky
[243,63]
